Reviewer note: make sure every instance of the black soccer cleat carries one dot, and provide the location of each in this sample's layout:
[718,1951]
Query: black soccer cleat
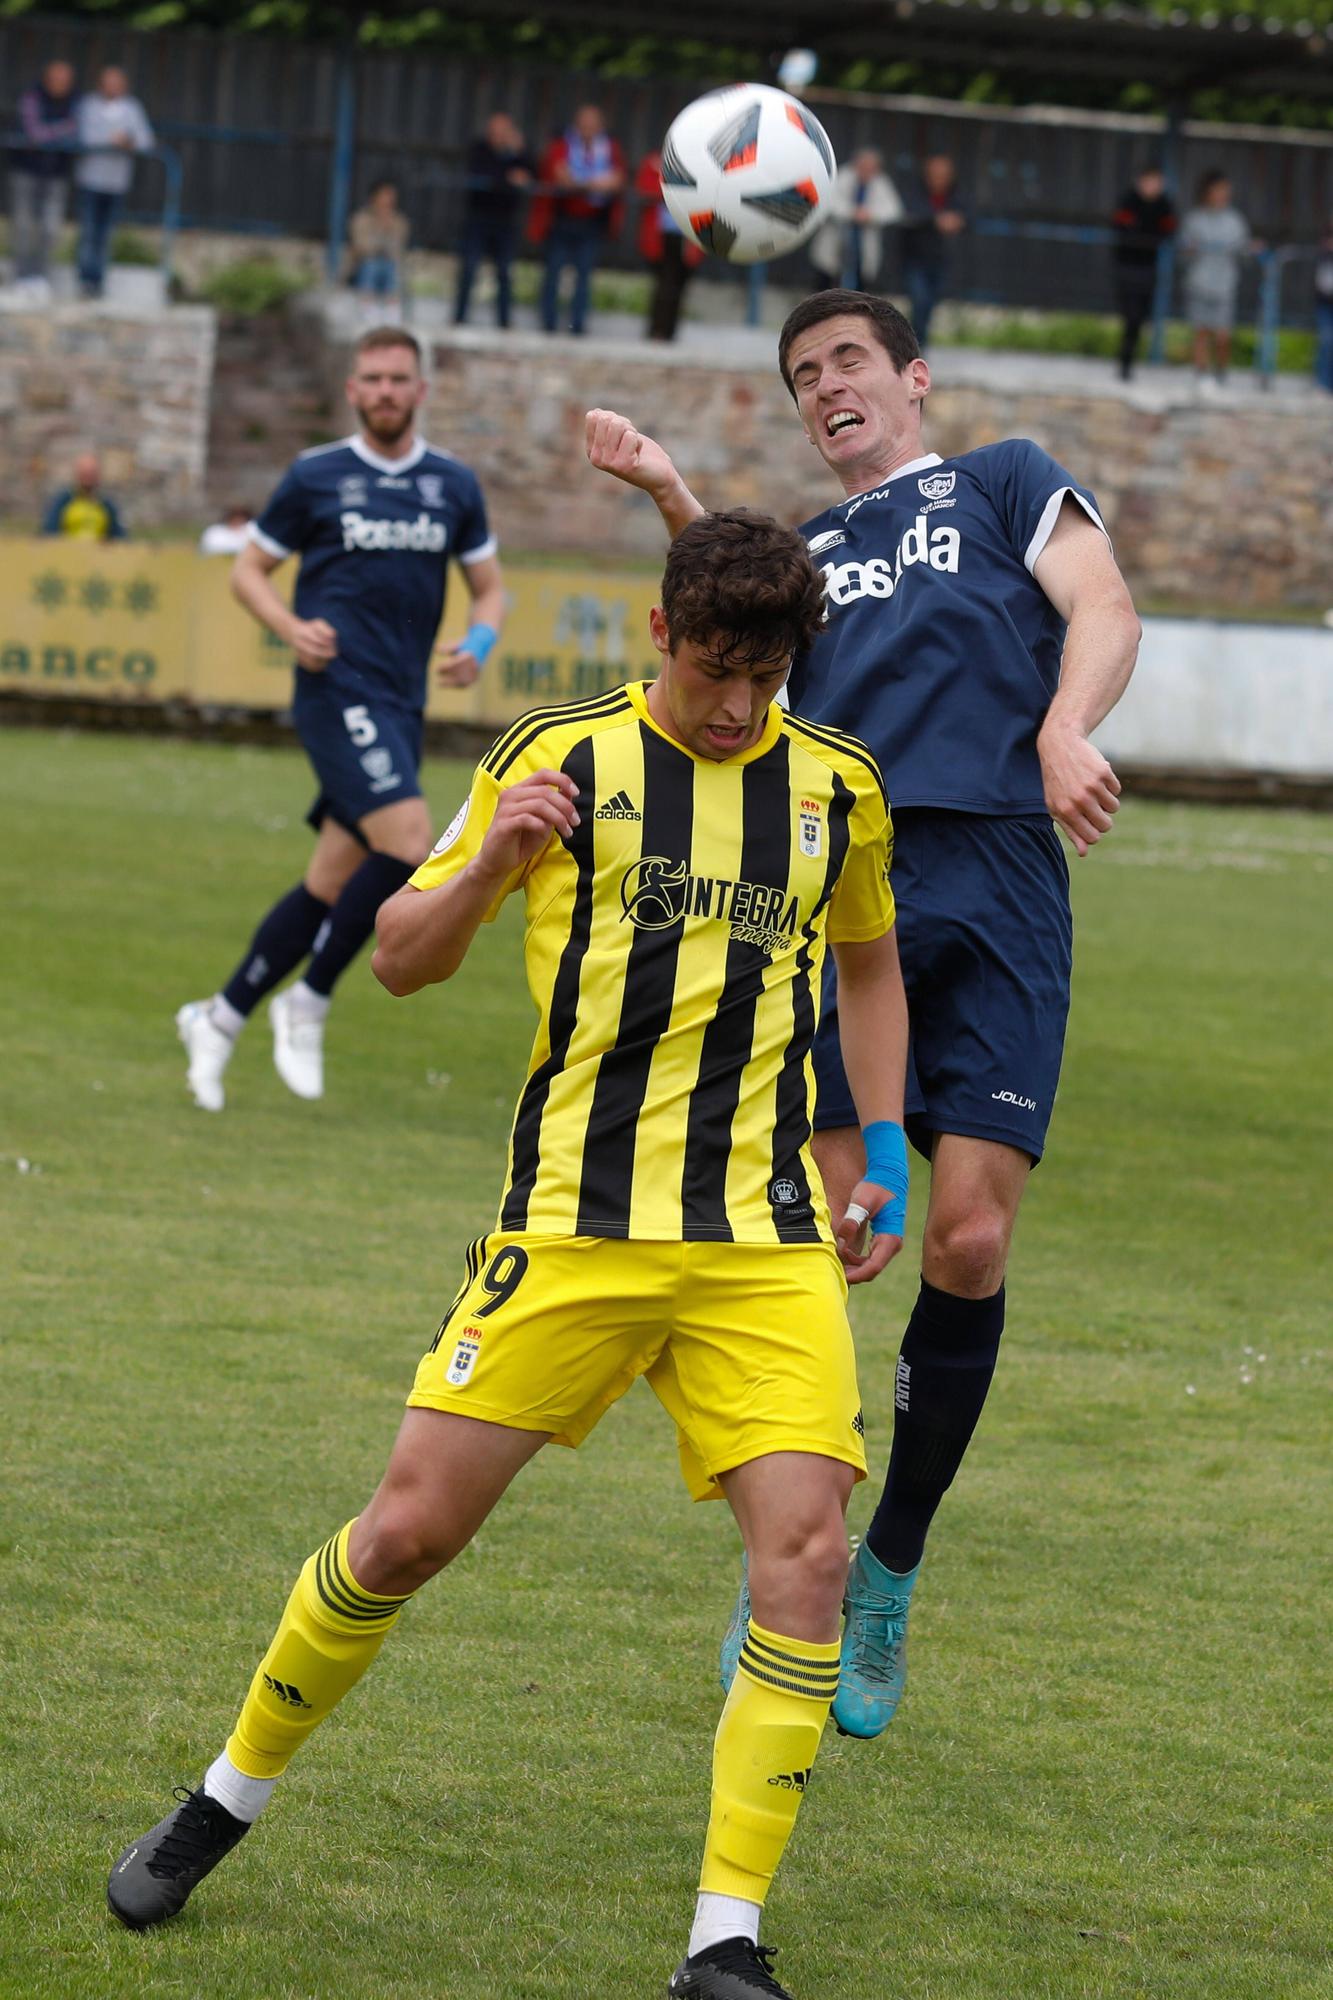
[734,1969]
[156,1873]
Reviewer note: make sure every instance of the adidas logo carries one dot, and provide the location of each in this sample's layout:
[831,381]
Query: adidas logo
[621,806]
[792,1781]
[859,1423]
[285,1691]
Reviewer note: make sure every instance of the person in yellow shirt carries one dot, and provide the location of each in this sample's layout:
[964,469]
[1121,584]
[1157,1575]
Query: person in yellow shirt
[82,511]
[687,852]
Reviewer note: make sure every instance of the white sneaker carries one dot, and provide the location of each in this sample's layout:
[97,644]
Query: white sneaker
[209,1051]
[298,1047]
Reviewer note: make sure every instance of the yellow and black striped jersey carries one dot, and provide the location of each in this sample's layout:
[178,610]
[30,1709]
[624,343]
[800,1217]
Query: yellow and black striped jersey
[674,948]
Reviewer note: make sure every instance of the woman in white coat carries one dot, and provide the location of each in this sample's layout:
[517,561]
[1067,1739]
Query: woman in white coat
[849,248]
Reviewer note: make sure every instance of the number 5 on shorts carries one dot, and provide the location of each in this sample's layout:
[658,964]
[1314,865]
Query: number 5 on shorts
[359,725]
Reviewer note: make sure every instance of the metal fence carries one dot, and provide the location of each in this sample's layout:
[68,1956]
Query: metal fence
[282,138]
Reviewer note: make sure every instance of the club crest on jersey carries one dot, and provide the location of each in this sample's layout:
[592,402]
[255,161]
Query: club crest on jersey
[937,485]
[431,488]
[811,829]
[465,1357]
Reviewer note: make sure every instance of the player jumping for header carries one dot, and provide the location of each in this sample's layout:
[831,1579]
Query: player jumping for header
[686,850]
[977,630]
[375,520]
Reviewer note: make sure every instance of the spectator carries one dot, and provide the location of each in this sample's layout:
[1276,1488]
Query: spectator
[849,248]
[1144,221]
[113,126]
[228,536]
[499,168]
[1323,309]
[669,254]
[584,171]
[378,235]
[933,217]
[1214,236]
[39,176]
[82,512]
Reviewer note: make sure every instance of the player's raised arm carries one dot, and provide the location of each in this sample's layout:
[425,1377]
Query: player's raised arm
[1078,573]
[424,933]
[872,1027]
[613,445]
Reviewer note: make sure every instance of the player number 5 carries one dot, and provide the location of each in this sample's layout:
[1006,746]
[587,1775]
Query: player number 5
[359,725]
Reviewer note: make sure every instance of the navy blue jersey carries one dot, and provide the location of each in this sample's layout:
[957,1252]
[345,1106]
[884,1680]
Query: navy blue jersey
[940,650]
[375,536]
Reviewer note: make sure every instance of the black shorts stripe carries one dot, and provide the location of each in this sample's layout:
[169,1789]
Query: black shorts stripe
[542,719]
[833,739]
[473,1259]
[728,1040]
[606,1181]
[563,1012]
[795,1221]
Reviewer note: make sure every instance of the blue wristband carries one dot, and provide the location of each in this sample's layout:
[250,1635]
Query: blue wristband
[886,1167]
[478,640]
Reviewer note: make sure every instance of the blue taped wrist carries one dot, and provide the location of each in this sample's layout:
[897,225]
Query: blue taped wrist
[478,640]
[886,1167]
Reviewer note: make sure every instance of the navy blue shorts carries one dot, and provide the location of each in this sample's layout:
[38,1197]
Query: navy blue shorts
[986,940]
[366,753]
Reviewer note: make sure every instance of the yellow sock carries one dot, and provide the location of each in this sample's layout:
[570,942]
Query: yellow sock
[763,1755]
[330,1633]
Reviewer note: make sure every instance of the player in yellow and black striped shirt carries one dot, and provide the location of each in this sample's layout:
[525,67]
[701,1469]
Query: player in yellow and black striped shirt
[687,851]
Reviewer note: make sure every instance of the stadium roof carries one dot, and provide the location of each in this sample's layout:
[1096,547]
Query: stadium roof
[1175,48]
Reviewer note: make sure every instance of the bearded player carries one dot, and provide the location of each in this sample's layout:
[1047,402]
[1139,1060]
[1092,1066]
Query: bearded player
[977,630]
[375,520]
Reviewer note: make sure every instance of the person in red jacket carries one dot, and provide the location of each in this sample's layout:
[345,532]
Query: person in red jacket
[583,175]
[662,245]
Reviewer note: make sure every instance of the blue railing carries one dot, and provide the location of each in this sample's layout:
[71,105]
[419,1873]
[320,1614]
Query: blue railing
[165,156]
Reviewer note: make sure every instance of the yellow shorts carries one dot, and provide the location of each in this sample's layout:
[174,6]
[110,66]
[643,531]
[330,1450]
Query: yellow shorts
[747,1347]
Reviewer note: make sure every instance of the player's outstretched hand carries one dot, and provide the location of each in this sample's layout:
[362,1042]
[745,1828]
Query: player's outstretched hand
[455,668]
[1082,791]
[314,642]
[527,816]
[863,1254]
[613,445]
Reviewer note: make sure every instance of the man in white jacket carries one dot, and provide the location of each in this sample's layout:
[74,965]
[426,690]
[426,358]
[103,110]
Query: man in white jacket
[113,127]
[849,248]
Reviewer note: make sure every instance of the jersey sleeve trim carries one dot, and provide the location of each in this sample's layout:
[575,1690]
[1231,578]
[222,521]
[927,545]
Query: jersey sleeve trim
[1050,514]
[834,739]
[268,543]
[529,727]
[484,549]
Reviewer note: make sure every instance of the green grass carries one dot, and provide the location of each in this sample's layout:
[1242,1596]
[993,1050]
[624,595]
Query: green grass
[1110,1777]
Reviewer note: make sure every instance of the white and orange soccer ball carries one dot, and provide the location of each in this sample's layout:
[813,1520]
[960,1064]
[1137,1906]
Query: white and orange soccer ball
[746,172]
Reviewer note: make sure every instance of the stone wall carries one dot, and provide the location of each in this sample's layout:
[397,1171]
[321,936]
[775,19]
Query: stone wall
[134,388]
[1210,503]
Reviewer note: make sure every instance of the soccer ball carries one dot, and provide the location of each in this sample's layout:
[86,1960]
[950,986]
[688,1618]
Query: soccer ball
[746,172]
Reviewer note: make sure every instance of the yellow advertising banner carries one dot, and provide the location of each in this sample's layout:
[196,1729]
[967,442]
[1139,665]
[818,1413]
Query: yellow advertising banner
[130,622]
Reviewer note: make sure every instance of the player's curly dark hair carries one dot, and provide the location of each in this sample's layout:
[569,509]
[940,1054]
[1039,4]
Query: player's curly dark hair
[742,588]
[891,328]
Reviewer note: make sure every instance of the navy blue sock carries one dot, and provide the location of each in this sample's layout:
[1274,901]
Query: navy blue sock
[944,1370]
[277,948]
[352,918]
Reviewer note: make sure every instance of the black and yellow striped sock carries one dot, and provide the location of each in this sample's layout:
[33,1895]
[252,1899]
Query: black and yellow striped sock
[763,1756]
[330,1633]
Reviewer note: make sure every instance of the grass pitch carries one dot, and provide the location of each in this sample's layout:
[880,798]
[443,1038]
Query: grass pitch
[1110,1776]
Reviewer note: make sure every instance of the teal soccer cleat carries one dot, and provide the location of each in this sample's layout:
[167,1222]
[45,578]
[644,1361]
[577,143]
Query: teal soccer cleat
[734,1637]
[874,1646]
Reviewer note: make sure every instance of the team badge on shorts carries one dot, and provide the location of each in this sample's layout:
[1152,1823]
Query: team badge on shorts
[465,1356]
